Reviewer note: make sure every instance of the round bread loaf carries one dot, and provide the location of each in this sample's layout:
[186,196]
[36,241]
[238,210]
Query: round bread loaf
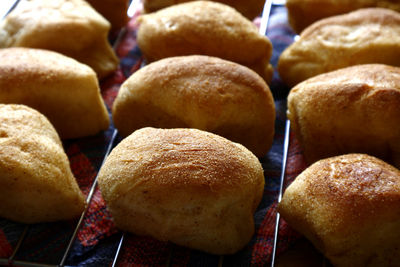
[348,207]
[199,92]
[370,35]
[70,27]
[64,90]
[36,182]
[186,186]
[204,28]
[355,109]
[248,8]
[302,13]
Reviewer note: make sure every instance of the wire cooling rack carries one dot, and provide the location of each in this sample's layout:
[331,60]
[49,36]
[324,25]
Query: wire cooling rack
[68,239]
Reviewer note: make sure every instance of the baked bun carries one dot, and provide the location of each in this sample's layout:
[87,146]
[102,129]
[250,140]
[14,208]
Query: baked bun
[70,27]
[115,11]
[348,207]
[186,186]
[36,182]
[200,92]
[302,13]
[64,90]
[248,8]
[369,35]
[204,28]
[355,109]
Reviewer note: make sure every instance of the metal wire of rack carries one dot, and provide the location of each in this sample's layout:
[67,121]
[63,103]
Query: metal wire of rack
[7,6]
[281,187]
[12,261]
[263,30]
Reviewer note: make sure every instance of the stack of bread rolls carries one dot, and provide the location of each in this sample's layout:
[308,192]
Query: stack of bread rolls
[40,88]
[188,181]
[182,181]
[195,119]
[344,99]
[189,186]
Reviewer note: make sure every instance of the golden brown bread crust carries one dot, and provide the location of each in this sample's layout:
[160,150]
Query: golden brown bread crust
[355,109]
[204,28]
[36,182]
[187,186]
[248,8]
[72,28]
[370,35]
[348,207]
[200,92]
[64,90]
[302,13]
[115,11]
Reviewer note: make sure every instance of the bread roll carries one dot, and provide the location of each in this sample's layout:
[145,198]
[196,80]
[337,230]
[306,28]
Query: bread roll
[187,186]
[248,8]
[355,109]
[36,182]
[115,11]
[61,88]
[348,207]
[302,13]
[204,28]
[200,92]
[369,35]
[70,27]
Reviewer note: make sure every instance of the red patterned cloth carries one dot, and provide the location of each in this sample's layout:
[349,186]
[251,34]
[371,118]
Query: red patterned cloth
[262,252]
[5,247]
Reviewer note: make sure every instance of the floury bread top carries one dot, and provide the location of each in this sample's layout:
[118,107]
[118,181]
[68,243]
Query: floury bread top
[346,206]
[72,28]
[61,88]
[302,13]
[36,183]
[365,36]
[187,186]
[354,109]
[202,92]
[204,28]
